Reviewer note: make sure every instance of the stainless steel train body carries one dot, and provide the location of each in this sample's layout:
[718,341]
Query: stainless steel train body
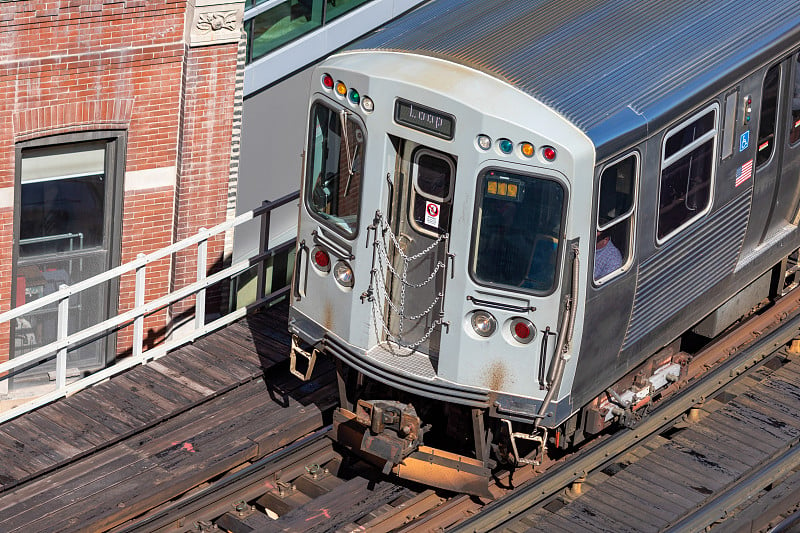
[464,162]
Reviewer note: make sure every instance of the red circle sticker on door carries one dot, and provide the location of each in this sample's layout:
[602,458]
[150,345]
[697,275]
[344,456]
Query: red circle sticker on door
[432,214]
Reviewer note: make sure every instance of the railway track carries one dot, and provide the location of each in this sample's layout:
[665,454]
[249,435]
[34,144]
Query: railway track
[312,486]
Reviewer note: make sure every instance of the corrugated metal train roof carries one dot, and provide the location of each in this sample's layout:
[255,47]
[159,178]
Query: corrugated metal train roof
[608,66]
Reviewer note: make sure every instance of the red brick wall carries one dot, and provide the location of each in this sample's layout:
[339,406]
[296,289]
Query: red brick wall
[204,168]
[71,66]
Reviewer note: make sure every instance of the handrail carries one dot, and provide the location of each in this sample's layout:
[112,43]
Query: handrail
[135,316]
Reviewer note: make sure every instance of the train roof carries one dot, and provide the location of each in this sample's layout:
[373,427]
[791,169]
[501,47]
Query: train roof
[613,68]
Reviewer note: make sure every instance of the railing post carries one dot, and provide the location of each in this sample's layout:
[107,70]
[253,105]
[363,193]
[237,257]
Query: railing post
[200,299]
[138,301]
[262,247]
[61,334]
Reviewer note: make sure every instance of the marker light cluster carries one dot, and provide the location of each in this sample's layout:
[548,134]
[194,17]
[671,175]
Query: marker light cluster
[340,89]
[505,146]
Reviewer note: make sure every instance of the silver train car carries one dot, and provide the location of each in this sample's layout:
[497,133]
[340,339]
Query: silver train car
[513,211]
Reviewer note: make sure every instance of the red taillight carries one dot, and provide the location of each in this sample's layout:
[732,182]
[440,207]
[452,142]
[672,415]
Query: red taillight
[549,153]
[327,81]
[322,259]
[522,330]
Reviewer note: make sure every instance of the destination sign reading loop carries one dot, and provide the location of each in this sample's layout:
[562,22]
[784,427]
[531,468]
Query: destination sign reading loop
[424,119]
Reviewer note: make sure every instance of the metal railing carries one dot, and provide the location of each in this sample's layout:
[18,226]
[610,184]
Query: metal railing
[141,309]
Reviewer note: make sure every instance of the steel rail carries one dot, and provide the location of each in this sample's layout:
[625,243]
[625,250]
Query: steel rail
[523,498]
[746,489]
[223,492]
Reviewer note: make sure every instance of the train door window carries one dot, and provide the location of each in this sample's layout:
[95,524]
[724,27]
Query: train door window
[616,201]
[768,115]
[335,151]
[794,131]
[687,170]
[432,175]
[518,231]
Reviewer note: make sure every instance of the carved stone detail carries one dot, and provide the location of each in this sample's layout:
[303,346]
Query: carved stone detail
[214,21]
[217,21]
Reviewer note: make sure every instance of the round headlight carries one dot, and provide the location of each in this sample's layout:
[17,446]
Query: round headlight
[483,323]
[343,274]
[484,142]
[523,330]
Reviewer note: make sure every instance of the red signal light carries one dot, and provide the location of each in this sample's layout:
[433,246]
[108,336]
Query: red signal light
[322,259]
[549,153]
[522,330]
[327,81]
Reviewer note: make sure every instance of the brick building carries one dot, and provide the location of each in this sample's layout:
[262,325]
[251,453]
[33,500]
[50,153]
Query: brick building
[120,136]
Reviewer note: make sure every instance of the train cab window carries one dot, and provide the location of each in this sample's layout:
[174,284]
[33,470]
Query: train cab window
[333,185]
[518,231]
[615,208]
[687,169]
[794,129]
[768,115]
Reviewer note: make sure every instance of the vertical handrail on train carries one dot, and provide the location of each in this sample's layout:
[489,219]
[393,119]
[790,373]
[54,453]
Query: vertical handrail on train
[564,339]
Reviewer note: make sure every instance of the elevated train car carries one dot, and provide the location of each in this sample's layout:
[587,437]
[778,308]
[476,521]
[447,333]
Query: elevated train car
[512,211]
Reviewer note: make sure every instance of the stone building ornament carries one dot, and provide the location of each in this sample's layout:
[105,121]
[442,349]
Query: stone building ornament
[214,21]
[217,21]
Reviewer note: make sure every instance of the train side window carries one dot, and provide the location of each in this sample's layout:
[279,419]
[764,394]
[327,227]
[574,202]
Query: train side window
[616,201]
[768,115]
[794,131]
[687,170]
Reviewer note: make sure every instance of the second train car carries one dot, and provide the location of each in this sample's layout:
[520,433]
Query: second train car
[511,210]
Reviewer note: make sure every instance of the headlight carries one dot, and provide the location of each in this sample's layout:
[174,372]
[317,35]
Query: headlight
[483,323]
[343,274]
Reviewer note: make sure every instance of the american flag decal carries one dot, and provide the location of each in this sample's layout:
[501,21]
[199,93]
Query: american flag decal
[744,172]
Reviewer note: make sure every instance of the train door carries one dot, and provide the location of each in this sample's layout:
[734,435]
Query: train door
[765,165]
[786,205]
[419,216]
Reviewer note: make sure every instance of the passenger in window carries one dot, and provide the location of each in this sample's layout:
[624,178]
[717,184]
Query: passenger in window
[607,257]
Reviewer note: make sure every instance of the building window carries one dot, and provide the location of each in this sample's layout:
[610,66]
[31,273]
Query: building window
[616,203]
[65,233]
[279,23]
[687,170]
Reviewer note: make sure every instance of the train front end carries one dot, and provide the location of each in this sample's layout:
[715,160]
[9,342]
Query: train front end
[437,262]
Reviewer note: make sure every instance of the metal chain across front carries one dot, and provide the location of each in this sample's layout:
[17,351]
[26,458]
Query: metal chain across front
[380,284]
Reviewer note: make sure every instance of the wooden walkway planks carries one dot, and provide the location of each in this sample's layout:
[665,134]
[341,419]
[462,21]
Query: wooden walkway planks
[111,452]
[57,434]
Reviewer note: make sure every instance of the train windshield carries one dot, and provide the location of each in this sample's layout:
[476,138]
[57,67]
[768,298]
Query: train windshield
[334,166]
[518,233]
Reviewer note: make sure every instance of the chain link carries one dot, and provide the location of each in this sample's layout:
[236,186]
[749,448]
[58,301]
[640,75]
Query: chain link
[381,291]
